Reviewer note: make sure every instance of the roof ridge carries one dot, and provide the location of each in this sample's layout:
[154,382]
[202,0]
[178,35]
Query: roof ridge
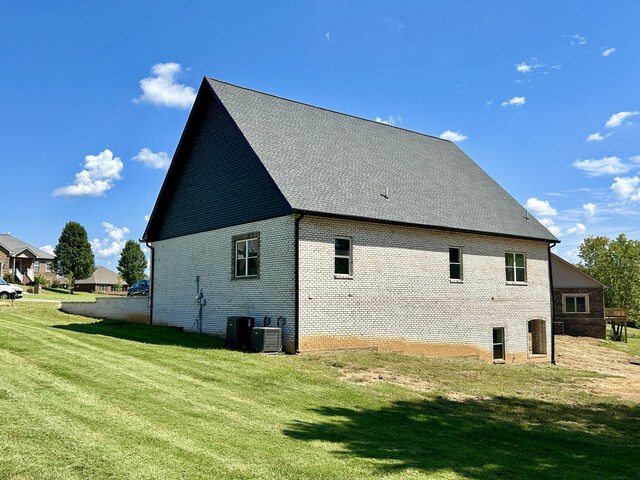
[328,110]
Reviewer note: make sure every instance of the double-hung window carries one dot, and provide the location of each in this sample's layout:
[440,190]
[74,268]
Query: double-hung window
[455,263]
[575,303]
[246,256]
[342,251]
[48,267]
[516,267]
[36,266]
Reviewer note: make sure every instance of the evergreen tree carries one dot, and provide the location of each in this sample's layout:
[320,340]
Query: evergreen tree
[74,258]
[132,262]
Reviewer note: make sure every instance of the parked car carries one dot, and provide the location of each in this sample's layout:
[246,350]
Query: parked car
[139,288]
[7,289]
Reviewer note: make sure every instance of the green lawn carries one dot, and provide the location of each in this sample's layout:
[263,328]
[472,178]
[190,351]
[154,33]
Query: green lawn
[61,295]
[632,347]
[85,399]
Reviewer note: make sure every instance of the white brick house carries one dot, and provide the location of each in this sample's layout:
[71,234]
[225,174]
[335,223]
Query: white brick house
[361,235]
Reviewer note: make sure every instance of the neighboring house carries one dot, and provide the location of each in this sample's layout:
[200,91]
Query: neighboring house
[578,301]
[24,260]
[360,234]
[102,280]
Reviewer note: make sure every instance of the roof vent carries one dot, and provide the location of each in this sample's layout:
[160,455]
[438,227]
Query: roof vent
[386,192]
[527,215]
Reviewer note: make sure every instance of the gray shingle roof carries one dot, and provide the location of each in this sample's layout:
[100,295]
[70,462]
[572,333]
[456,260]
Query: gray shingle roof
[101,276]
[337,164]
[16,246]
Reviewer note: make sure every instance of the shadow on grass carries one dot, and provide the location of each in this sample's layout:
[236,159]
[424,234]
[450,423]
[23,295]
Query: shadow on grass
[484,439]
[142,333]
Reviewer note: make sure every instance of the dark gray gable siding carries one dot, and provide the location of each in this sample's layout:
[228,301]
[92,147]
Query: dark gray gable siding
[215,179]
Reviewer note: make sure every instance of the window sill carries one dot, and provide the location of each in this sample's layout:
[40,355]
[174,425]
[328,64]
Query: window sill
[499,361]
[517,283]
[249,277]
[343,276]
[456,280]
[575,313]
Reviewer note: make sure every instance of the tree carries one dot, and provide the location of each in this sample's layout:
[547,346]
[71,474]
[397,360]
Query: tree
[132,262]
[616,263]
[74,258]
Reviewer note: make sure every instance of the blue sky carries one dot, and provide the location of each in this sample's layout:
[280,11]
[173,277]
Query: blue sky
[544,96]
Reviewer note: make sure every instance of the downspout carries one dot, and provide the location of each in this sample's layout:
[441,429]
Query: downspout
[553,309]
[152,283]
[296,341]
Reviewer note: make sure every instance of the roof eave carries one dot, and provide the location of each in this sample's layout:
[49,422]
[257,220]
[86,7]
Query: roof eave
[419,225]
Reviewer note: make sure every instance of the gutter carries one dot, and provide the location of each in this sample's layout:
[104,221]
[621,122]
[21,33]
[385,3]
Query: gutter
[553,309]
[151,281]
[296,340]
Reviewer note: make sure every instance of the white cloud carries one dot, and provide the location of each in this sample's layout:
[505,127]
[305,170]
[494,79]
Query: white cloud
[625,188]
[635,159]
[551,226]
[328,36]
[617,118]
[390,120]
[162,89]
[607,51]
[603,166]
[589,210]
[106,248]
[98,175]
[114,232]
[577,39]
[572,255]
[598,137]
[147,217]
[540,208]
[158,160]
[534,64]
[578,229]
[453,136]
[514,101]
[47,248]
[112,244]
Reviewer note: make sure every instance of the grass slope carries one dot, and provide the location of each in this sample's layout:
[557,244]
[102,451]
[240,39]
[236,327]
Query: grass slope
[86,399]
[632,346]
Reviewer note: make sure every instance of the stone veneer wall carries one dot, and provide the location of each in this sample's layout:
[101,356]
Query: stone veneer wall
[400,297]
[590,324]
[131,309]
[209,255]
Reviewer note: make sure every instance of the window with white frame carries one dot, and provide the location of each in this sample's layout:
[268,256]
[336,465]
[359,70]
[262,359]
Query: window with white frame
[48,267]
[575,303]
[342,249]
[455,263]
[515,267]
[246,256]
[498,343]
[36,266]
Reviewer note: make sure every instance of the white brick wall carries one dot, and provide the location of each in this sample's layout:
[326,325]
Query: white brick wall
[131,309]
[179,260]
[401,293]
[400,296]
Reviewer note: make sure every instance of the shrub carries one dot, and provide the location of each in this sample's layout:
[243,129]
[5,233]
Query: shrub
[9,277]
[40,280]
